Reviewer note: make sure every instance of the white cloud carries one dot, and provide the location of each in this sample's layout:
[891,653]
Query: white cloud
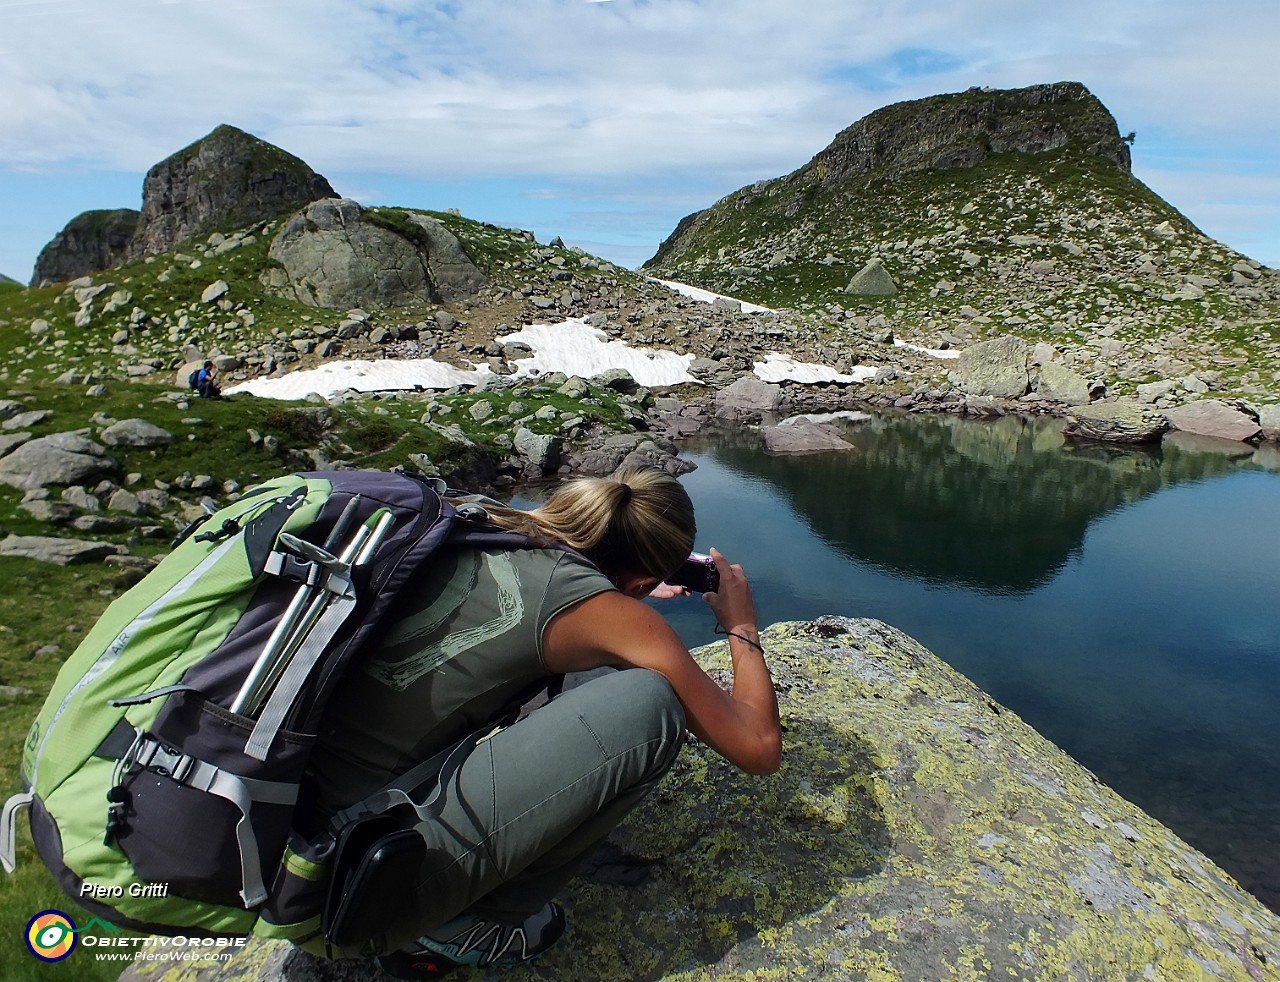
[610,96]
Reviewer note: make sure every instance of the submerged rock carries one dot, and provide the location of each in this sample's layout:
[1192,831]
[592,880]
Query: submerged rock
[801,436]
[916,830]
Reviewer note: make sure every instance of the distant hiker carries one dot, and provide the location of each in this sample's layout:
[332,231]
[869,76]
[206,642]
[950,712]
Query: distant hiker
[522,808]
[205,381]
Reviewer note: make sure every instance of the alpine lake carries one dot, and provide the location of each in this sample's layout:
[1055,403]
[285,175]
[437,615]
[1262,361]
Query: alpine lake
[1124,602]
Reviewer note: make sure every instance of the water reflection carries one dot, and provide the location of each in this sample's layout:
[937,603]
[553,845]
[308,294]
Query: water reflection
[998,505]
[1121,601]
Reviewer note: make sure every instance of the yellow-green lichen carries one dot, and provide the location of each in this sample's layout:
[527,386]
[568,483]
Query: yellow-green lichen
[915,830]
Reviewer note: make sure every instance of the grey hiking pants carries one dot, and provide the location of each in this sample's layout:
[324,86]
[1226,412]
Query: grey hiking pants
[528,804]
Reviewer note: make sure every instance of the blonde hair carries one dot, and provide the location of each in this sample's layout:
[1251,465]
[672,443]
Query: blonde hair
[640,518]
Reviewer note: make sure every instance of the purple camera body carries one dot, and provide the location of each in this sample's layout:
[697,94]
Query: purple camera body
[698,573]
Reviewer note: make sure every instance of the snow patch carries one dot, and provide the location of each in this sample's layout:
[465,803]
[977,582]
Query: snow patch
[782,368]
[363,376]
[576,348]
[931,352]
[706,296]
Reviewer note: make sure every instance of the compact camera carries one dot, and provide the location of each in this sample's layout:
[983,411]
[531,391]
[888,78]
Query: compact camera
[698,573]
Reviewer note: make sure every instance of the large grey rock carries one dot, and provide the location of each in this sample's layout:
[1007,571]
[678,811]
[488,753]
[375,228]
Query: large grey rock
[996,368]
[748,400]
[136,433]
[599,461]
[873,280]
[1212,417]
[1269,421]
[10,441]
[337,255]
[649,454]
[916,830]
[63,458]
[92,241]
[63,552]
[617,380]
[452,272]
[32,417]
[1121,421]
[1061,384]
[538,448]
[803,437]
[226,180]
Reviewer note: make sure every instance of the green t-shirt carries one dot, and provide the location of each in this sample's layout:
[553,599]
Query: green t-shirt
[465,643]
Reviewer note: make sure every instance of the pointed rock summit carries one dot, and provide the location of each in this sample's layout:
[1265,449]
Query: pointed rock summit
[873,280]
[227,180]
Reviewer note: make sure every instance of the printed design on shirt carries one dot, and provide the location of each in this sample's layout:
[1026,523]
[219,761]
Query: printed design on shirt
[428,632]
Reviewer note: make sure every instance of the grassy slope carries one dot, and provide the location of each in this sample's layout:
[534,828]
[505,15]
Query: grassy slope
[48,608]
[797,241]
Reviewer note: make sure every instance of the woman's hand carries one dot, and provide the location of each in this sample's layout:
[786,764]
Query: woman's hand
[665,591]
[732,603]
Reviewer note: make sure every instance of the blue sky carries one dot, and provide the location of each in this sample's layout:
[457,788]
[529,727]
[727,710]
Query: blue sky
[603,122]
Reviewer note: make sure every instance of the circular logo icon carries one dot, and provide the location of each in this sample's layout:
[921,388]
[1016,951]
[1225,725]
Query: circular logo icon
[51,935]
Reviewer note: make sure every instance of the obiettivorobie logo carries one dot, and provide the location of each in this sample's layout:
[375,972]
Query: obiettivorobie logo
[51,936]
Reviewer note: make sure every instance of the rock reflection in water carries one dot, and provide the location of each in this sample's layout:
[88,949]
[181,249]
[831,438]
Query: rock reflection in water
[998,505]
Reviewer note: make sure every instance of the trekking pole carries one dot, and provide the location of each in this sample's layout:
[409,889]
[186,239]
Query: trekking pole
[359,550]
[285,627]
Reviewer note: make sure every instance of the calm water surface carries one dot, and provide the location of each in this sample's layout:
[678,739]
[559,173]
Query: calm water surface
[1125,603]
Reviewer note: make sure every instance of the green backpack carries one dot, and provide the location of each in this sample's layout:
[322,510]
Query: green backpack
[162,772]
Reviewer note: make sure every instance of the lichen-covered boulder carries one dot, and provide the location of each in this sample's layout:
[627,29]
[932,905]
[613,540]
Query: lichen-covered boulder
[336,254]
[997,368]
[916,830]
[1061,384]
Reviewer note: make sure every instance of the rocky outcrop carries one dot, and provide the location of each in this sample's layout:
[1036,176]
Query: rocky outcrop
[91,241]
[336,254]
[916,830]
[224,181]
[952,131]
[1121,421]
[945,132]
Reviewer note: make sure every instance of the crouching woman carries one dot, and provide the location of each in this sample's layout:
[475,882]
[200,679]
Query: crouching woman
[482,629]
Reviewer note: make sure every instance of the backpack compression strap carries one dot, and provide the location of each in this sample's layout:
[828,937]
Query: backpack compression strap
[9,828]
[242,792]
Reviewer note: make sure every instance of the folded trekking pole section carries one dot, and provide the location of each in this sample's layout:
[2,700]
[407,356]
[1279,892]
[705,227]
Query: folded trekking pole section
[172,746]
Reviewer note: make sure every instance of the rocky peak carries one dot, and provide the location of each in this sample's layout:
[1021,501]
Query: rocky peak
[963,129]
[229,179]
[91,241]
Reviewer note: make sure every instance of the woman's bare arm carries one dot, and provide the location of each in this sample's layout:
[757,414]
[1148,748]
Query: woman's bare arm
[613,629]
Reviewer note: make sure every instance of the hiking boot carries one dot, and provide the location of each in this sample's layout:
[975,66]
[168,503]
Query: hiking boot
[469,940]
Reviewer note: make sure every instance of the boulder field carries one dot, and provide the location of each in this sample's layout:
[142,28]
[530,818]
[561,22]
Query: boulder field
[916,830]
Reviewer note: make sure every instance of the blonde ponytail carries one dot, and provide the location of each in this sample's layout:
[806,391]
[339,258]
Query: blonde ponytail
[638,519]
